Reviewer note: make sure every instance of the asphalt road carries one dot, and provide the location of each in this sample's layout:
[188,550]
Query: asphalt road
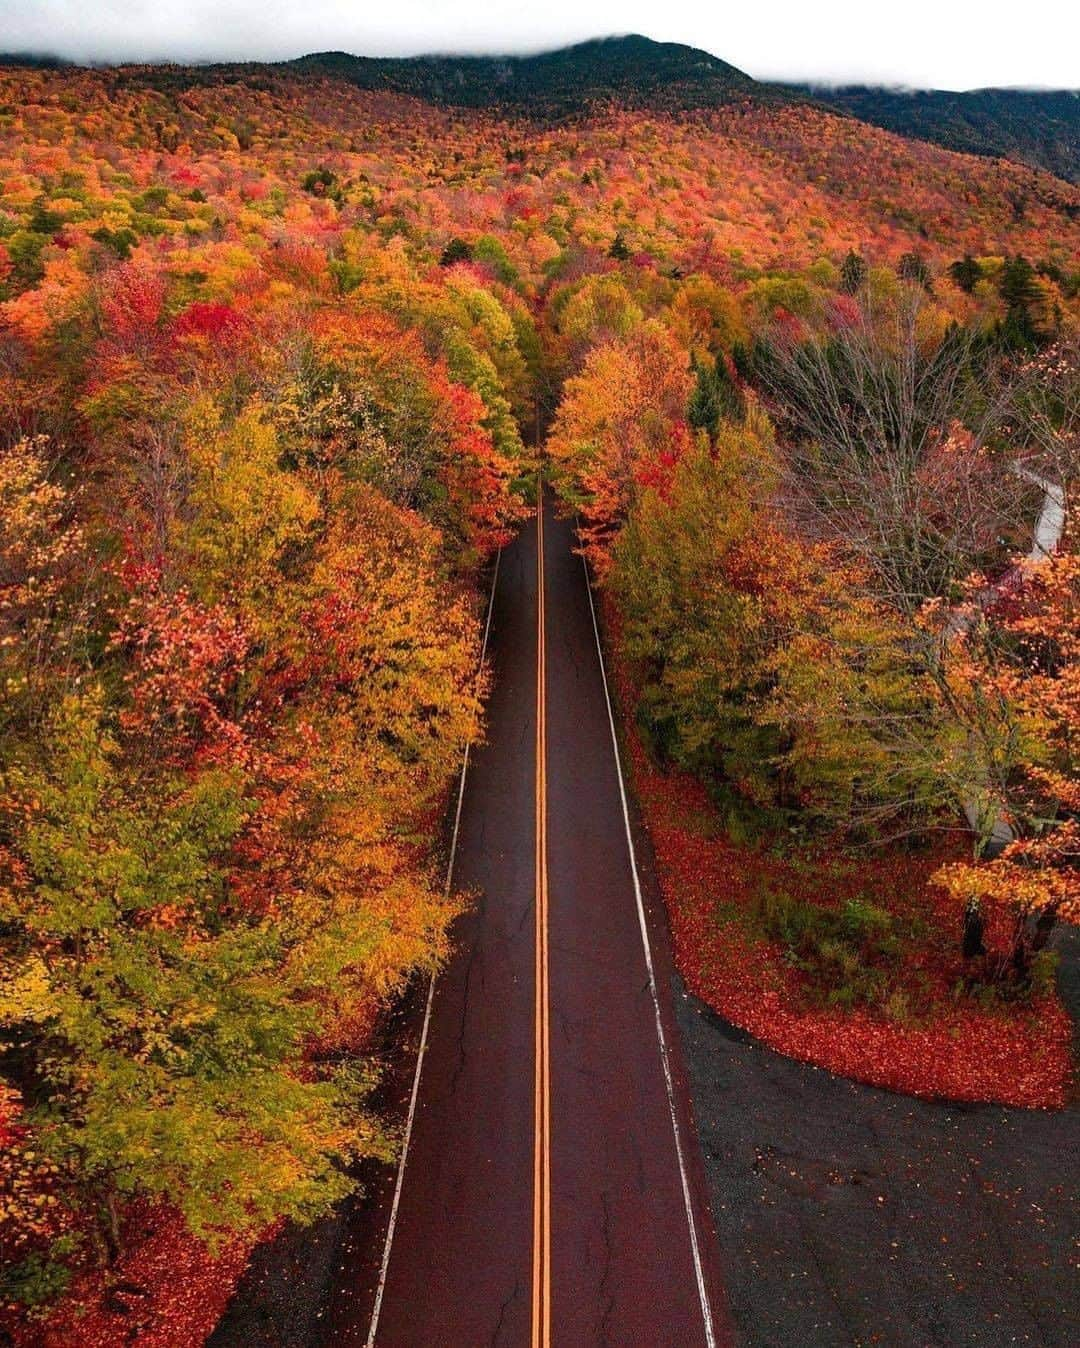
[544,1027]
[843,1215]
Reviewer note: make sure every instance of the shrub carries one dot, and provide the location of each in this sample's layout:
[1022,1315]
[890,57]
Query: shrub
[847,954]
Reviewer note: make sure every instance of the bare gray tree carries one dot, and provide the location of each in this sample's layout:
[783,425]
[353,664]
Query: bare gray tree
[895,441]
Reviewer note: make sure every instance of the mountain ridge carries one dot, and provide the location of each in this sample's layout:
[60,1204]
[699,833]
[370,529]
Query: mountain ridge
[1038,128]
[631,69]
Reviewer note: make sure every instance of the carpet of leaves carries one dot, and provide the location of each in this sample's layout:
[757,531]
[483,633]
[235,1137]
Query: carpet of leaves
[951,1047]
[167,1291]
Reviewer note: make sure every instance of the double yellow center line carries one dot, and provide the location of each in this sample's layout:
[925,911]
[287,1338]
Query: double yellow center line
[541,1299]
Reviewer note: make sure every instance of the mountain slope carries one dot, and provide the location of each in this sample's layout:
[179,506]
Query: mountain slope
[1039,129]
[632,70]
[1034,127]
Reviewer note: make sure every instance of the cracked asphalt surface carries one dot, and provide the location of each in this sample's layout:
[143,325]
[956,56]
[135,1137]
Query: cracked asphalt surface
[843,1215]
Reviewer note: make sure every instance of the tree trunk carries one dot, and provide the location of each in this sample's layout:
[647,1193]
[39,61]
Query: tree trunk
[1029,937]
[107,1239]
[974,930]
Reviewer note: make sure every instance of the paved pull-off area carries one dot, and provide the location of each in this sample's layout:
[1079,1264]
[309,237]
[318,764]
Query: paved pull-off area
[851,1216]
[554,1190]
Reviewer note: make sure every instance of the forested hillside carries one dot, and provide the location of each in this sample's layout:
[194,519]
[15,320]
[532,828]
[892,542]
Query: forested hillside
[1033,126]
[1036,127]
[270,344]
[632,70]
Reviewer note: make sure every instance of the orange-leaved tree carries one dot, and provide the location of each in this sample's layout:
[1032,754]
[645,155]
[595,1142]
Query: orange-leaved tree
[621,424]
[1015,677]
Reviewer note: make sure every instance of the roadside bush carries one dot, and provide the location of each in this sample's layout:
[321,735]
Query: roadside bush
[847,954]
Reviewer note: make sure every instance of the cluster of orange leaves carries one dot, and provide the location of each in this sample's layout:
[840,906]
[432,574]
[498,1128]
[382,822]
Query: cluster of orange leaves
[1039,871]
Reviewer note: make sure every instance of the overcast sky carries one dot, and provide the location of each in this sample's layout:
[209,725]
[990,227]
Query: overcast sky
[947,44]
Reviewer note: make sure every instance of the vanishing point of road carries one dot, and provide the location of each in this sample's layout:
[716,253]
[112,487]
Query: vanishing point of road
[550,1191]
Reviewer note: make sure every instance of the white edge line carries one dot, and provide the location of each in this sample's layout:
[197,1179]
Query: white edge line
[699,1272]
[399,1183]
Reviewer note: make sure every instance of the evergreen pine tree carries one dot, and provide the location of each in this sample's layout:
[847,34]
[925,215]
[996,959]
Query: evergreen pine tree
[966,273]
[853,271]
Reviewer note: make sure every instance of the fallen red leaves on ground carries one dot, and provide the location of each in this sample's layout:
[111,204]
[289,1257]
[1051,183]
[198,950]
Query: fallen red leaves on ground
[167,1291]
[954,1048]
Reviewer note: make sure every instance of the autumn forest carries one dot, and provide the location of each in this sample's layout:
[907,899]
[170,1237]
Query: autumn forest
[282,364]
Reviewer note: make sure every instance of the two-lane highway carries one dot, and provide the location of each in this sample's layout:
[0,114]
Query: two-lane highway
[548,1194]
